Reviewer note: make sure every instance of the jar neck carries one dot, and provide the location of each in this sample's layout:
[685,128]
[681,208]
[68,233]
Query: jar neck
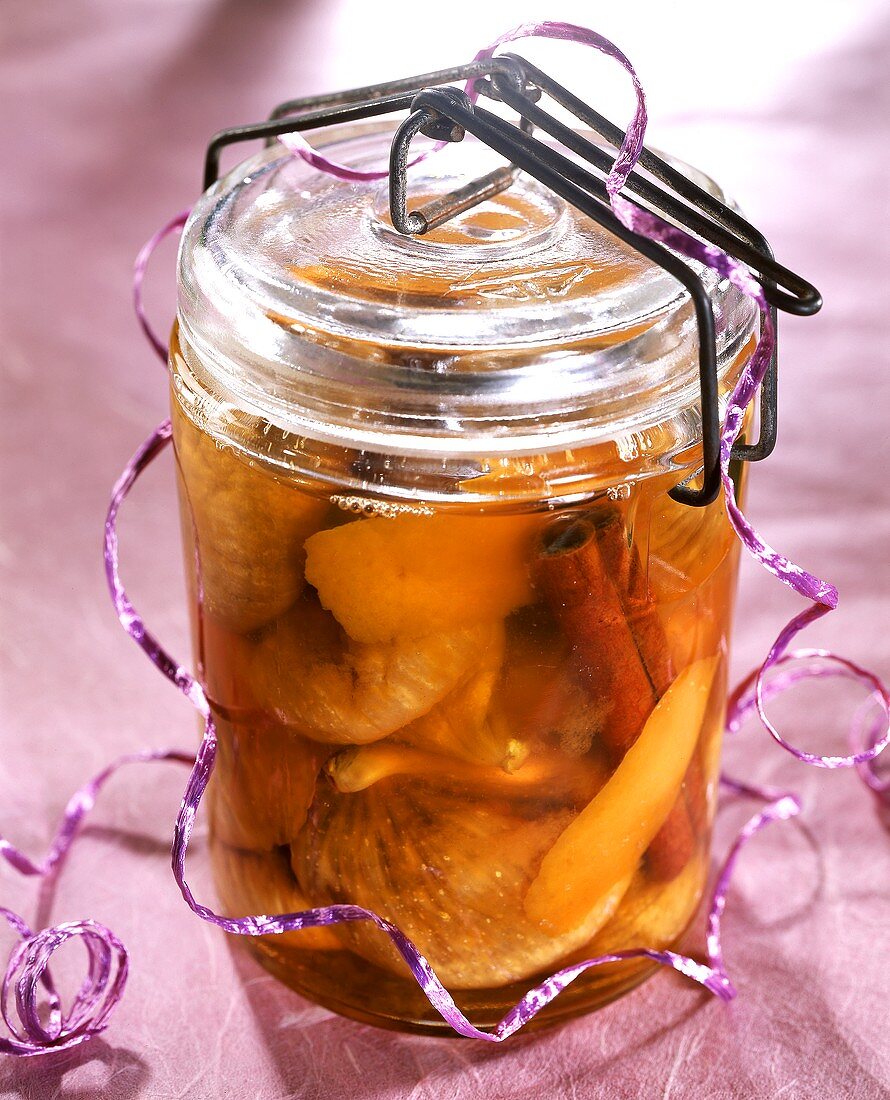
[333,460]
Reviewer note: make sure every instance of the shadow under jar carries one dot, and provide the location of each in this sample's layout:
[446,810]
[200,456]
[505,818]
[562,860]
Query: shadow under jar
[466,657]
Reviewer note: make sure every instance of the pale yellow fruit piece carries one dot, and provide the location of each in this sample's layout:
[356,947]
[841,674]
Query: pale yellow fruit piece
[547,774]
[333,689]
[449,870]
[416,575]
[606,841]
[463,725]
[248,530]
[249,883]
[449,730]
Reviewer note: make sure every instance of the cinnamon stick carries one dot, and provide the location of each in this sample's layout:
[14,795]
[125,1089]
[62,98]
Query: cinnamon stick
[595,586]
[676,841]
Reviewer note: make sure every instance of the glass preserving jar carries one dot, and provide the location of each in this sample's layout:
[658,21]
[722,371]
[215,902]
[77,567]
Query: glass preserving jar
[466,657]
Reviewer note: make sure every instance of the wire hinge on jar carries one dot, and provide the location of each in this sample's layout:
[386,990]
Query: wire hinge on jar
[444,113]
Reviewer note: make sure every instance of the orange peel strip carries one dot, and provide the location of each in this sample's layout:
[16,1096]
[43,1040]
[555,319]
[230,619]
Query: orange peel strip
[606,841]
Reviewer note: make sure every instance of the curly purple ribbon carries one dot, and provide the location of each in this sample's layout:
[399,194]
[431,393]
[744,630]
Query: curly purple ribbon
[28,966]
[107,957]
[140,267]
[99,994]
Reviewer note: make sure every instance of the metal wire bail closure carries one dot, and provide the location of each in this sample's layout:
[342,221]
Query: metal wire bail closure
[444,114]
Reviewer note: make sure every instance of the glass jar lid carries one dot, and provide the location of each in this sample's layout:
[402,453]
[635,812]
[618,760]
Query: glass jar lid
[519,326]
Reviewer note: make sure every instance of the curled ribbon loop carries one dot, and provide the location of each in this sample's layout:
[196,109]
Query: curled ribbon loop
[28,968]
[140,267]
[107,958]
[28,965]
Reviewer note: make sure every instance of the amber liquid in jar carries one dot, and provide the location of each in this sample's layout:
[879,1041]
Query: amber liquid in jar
[499,729]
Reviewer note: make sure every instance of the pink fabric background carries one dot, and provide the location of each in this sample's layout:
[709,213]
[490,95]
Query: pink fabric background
[107,106]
